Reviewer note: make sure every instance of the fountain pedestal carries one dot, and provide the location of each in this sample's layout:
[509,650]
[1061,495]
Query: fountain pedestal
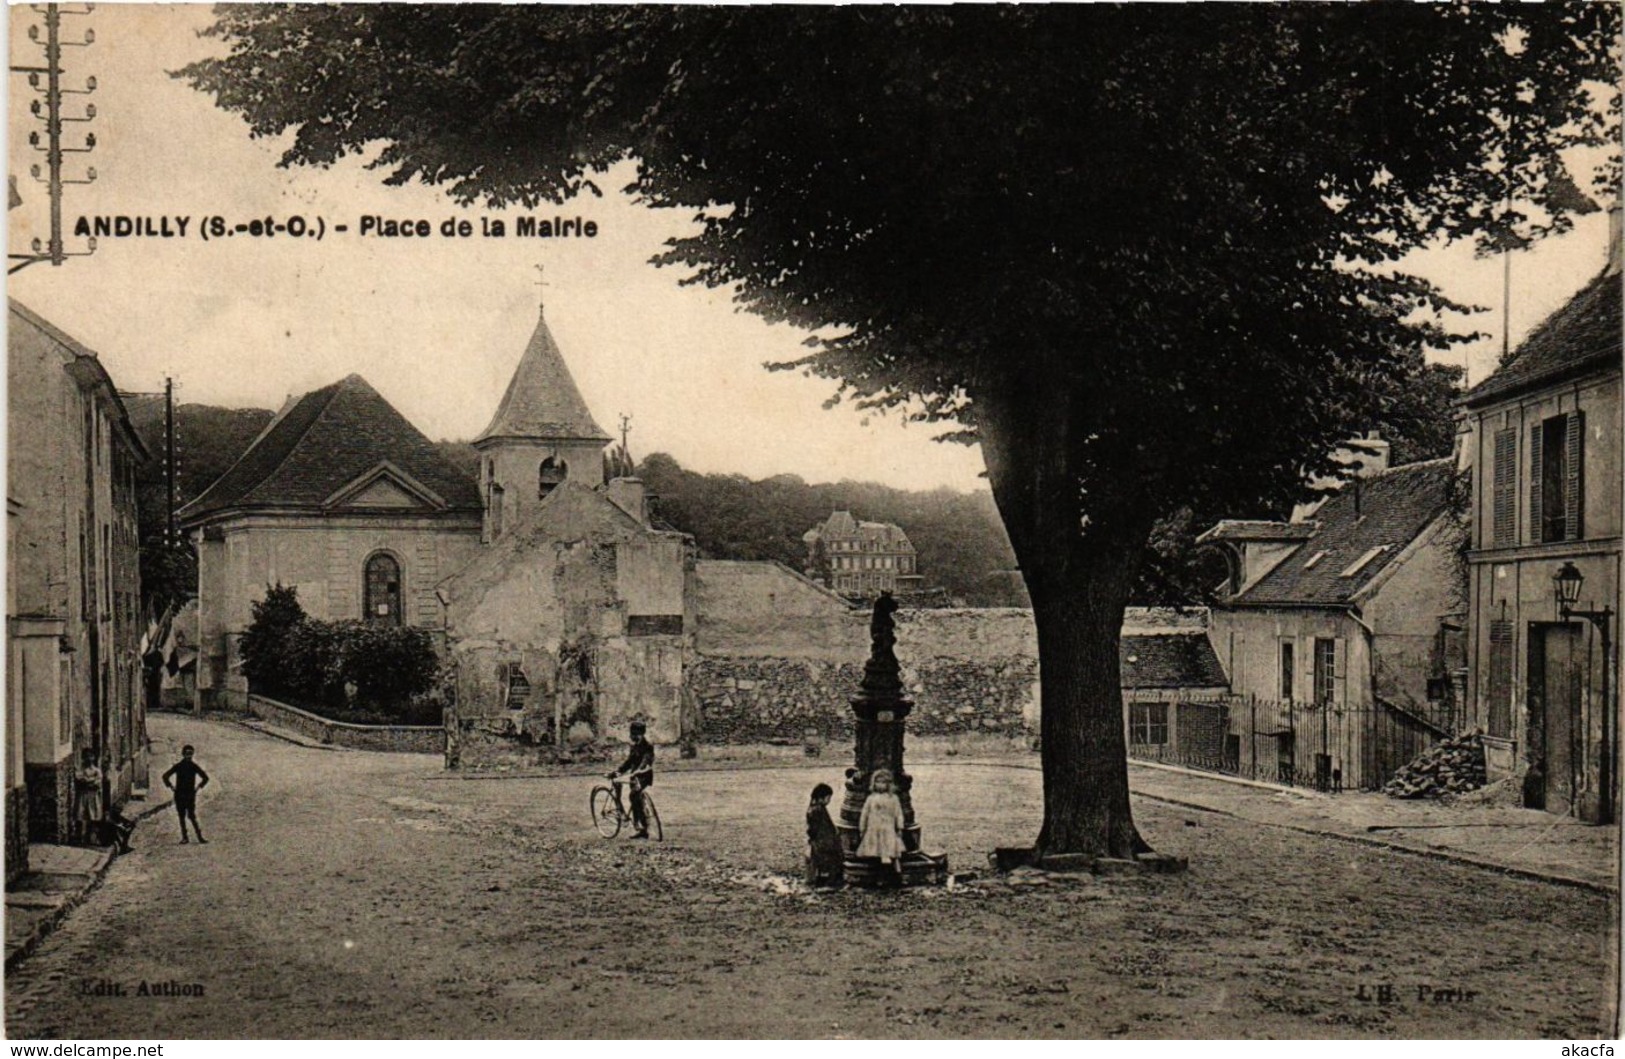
[879,710]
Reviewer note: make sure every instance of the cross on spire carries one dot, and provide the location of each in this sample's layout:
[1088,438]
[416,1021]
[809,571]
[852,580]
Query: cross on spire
[541,287]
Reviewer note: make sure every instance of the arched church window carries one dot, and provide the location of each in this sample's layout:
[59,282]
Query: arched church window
[383,594]
[496,511]
[552,472]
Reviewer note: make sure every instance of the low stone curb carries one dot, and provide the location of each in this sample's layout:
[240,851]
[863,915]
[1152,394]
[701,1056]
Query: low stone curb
[49,922]
[1377,843]
[267,729]
[1455,858]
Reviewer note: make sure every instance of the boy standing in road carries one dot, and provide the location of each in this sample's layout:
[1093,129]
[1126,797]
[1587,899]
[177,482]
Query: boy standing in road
[639,770]
[188,779]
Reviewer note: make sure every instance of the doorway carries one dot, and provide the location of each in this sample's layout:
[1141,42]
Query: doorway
[1556,734]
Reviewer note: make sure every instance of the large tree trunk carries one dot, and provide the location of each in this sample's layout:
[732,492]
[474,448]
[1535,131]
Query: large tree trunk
[1079,614]
[1079,555]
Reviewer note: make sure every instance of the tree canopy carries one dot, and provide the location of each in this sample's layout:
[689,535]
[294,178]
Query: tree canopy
[1142,253]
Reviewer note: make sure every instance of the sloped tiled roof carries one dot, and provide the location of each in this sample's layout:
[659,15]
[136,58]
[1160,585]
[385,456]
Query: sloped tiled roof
[324,441]
[76,355]
[842,526]
[542,400]
[1232,529]
[1169,660]
[839,524]
[1394,507]
[1583,333]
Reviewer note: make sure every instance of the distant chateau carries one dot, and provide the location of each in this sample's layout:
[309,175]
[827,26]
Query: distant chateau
[861,558]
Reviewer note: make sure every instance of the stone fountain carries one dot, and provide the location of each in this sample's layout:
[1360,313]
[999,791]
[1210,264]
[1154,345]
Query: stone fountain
[879,710]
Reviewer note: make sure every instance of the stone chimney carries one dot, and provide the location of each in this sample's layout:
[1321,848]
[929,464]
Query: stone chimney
[1368,455]
[628,494]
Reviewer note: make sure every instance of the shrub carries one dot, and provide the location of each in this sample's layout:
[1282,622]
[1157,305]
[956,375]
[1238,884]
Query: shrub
[287,653]
[265,645]
[311,663]
[388,664]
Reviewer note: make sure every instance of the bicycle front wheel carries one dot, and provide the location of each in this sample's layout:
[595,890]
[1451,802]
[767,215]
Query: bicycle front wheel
[651,816]
[606,815]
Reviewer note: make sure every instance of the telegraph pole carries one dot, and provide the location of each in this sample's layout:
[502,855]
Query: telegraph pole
[54,250]
[170,537]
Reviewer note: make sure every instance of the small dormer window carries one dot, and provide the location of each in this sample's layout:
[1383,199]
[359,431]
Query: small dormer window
[1365,560]
[549,476]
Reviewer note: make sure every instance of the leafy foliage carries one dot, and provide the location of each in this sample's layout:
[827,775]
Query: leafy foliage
[958,539]
[265,645]
[1142,253]
[388,664]
[316,663]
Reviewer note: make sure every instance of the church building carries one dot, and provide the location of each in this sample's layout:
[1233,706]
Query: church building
[342,498]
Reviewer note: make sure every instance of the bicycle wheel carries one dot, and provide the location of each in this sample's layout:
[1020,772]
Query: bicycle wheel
[606,815]
[651,816]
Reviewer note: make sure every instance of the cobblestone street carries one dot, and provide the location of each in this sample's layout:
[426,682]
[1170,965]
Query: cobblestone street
[348,894]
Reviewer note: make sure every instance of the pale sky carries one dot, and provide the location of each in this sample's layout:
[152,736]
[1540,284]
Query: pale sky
[437,325]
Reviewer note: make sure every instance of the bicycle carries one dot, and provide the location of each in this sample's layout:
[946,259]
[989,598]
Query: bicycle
[609,814]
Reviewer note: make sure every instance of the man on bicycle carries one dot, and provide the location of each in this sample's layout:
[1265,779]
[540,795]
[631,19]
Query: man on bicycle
[639,772]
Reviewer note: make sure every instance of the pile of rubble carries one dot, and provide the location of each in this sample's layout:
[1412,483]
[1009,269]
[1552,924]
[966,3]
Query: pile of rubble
[1451,767]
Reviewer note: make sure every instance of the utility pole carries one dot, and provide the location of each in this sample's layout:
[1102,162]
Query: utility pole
[170,538]
[54,250]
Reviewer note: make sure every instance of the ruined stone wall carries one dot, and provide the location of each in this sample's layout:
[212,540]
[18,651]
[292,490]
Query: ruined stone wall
[965,670]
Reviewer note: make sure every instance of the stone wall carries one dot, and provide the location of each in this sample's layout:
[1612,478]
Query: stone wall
[746,700]
[965,670]
[395,738]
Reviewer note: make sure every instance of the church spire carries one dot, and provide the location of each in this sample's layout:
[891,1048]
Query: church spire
[542,402]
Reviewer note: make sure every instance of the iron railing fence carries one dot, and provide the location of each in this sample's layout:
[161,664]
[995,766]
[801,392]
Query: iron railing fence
[1298,744]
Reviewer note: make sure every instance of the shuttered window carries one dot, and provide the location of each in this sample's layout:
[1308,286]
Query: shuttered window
[1504,533]
[1557,470]
[1500,689]
[1573,476]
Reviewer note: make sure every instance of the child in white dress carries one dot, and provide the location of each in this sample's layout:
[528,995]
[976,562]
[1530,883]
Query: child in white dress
[881,823]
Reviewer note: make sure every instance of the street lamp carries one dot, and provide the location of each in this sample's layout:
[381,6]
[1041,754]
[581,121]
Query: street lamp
[1567,582]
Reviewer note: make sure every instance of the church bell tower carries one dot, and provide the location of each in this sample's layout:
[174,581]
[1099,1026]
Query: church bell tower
[541,436]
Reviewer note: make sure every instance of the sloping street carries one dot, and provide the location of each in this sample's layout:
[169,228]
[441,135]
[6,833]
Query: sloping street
[347,894]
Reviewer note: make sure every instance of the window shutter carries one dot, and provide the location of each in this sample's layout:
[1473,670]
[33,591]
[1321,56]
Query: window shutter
[1340,663]
[1500,718]
[1504,489]
[1535,468]
[1573,476]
